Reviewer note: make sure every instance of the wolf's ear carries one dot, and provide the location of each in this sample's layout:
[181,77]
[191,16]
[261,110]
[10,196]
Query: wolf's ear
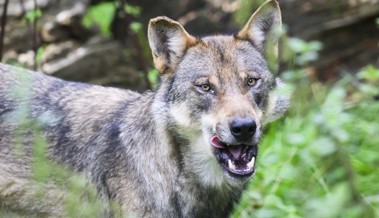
[168,41]
[260,26]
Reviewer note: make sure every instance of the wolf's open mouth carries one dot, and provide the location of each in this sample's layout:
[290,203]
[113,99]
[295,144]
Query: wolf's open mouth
[237,160]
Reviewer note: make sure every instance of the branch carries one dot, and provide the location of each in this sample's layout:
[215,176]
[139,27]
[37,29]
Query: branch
[35,36]
[3,22]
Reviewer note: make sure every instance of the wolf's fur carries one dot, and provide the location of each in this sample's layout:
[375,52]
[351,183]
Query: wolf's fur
[149,152]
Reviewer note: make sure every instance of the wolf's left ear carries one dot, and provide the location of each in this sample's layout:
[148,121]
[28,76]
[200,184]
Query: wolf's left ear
[168,41]
[260,26]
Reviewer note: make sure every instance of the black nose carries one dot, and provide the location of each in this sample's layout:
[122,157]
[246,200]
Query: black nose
[243,129]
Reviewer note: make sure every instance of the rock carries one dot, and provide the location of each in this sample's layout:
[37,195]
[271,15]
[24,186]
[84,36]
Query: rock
[57,51]
[26,59]
[51,32]
[15,9]
[72,16]
[88,61]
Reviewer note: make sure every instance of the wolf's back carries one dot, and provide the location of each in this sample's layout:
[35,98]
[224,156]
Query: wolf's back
[70,114]
[75,118]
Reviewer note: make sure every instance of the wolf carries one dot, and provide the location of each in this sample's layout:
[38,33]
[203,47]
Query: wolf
[187,149]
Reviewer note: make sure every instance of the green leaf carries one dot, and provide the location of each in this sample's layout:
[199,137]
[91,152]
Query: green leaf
[136,27]
[33,15]
[132,10]
[101,15]
[369,73]
[153,76]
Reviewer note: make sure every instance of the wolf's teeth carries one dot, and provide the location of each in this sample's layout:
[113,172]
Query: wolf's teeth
[250,165]
[231,165]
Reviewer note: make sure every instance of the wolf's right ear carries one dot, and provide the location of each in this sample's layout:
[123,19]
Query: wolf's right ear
[168,41]
[260,26]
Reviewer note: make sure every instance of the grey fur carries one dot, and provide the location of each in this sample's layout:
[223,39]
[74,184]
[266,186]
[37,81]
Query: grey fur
[149,152]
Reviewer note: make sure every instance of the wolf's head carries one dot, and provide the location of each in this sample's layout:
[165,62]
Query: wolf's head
[220,91]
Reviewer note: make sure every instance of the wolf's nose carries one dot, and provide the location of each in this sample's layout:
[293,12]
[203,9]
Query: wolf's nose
[243,129]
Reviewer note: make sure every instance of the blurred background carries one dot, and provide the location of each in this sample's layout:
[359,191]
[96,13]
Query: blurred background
[319,161]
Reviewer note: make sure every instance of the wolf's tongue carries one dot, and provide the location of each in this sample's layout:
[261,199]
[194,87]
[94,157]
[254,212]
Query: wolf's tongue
[216,142]
[235,151]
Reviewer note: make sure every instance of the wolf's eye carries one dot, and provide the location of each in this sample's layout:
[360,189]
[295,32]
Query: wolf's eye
[205,87]
[251,81]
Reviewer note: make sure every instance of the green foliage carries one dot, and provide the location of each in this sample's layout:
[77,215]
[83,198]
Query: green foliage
[32,15]
[370,73]
[303,51]
[40,52]
[132,10]
[246,7]
[102,15]
[153,76]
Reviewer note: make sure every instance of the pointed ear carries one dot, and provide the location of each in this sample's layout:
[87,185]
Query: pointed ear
[260,26]
[168,41]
